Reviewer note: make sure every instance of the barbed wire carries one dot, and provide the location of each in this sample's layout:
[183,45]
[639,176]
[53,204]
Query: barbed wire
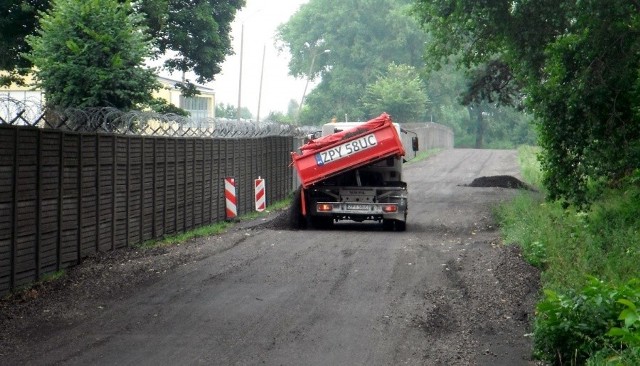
[19,111]
[146,123]
[30,111]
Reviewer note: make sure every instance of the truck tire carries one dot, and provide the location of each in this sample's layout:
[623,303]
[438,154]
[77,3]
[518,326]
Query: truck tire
[296,220]
[321,223]
[394,225]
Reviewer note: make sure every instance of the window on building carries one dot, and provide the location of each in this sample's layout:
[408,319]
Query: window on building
[197,106]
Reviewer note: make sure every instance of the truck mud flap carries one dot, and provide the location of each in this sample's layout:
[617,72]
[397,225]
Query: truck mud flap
[297,221]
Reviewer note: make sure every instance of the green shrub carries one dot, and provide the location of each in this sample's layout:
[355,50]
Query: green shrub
[616,357]
[570,328]
[625,338]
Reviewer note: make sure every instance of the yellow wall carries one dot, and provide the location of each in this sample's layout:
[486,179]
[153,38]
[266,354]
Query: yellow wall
[172,95]
[166,92]
[16,99]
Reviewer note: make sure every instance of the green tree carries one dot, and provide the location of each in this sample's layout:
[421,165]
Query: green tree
[278,117]
[229,111]
[457,95]
[90,54]
[226,111]
[363,36]
[578,64]
[489,85]
[289,117]
[194,33]
[292,109]
[399,92]
[245,113]
[162,106]
[18,18]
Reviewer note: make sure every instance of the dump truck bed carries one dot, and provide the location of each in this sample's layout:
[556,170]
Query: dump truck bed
[349,149]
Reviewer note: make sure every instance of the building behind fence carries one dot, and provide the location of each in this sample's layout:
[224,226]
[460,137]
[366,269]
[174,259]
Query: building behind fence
[66,195]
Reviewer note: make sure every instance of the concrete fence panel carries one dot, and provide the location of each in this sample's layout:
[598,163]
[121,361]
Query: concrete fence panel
[68,195]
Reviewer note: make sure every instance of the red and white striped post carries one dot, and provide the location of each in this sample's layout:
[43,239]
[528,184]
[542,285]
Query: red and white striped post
[261,201]
[230,197]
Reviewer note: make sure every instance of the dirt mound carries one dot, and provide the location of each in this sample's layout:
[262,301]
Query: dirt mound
[280,222]
[500,181]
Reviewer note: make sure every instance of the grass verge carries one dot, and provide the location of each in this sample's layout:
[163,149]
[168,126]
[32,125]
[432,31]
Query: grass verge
[213,229]
[423,155]
[589,261]
[29,290]
[209,230]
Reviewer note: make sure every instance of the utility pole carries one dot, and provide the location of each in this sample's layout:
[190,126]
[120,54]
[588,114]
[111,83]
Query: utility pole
[313,60]
[264,49]
[240,78]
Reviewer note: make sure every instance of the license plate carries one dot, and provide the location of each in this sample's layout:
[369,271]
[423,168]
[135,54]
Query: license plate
[346,149]
[358,207]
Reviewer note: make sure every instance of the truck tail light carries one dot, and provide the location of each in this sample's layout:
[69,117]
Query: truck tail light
[324,207]
[390,208]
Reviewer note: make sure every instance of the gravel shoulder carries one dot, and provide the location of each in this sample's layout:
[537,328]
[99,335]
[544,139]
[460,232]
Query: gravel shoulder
[445,292]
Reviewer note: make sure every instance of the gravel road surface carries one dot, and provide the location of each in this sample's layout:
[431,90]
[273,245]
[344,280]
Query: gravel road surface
[445,292]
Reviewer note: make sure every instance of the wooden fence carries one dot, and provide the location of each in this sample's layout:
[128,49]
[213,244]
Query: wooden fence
[66,195]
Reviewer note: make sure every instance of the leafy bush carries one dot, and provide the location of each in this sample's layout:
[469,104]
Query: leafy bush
[625,349]
[569,243]
[569,328]
[91,54]
[612,357]
[597,324]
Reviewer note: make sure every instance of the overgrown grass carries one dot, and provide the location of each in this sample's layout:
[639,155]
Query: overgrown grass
[529,165]
[177,239]
[570,245]
[23,291]
[423,155]
[574,247]
[209,230]
[53,276]
[213,229]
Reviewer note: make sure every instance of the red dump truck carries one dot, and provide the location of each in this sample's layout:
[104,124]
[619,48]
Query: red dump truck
[352,172]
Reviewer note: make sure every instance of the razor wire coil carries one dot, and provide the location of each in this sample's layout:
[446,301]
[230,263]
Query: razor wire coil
[146,123]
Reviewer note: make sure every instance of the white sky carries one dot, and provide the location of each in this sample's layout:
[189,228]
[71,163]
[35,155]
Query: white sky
[260,19]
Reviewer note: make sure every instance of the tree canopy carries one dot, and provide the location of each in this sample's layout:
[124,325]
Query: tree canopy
[399,92]
[578,64]
[195,33]
[90,54]
[363,37]
[230,111]
[18,18]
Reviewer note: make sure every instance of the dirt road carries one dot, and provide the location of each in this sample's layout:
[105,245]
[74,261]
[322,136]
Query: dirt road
[445,292]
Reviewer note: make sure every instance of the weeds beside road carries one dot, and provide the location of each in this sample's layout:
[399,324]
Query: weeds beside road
[589,261]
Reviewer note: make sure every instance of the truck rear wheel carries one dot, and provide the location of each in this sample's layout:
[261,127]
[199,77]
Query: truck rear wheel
[394,225]
[321,223]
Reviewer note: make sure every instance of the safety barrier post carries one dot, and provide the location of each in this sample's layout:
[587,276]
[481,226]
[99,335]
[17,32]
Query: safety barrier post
[260,197]
[230,198]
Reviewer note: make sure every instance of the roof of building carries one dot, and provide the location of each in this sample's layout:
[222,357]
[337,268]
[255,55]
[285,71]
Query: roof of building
[173,82]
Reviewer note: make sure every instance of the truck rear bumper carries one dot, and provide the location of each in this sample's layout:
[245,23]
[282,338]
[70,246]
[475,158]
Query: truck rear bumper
[362,211]
[389,203]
